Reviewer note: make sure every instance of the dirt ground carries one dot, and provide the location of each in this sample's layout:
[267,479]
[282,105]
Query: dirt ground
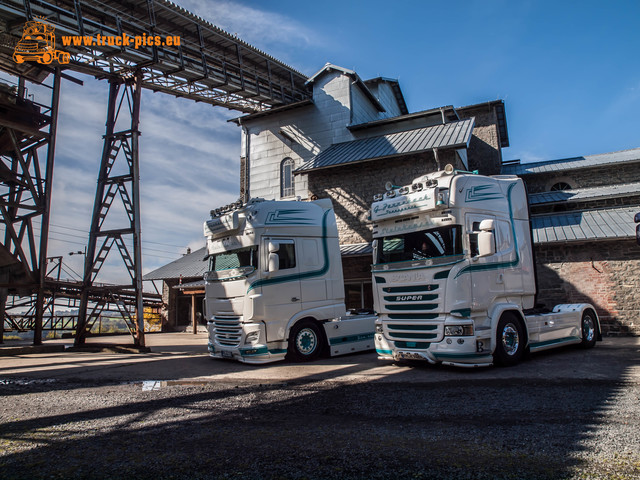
[175,413]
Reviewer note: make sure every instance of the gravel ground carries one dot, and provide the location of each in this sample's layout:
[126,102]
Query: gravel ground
[320,430]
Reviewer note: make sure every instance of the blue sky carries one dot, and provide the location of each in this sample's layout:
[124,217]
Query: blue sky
[567,71]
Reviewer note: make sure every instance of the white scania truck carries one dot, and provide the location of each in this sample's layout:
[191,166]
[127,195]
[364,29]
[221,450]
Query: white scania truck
[275,285]
[454,275]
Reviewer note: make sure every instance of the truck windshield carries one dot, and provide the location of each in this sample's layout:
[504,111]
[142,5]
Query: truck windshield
[432,243]
[242,257]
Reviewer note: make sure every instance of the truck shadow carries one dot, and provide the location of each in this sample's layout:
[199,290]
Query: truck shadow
[544,418]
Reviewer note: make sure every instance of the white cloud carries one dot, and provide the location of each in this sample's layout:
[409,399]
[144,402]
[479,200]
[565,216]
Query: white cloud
[189,153]
[189,163]
[254,26]
[275,33]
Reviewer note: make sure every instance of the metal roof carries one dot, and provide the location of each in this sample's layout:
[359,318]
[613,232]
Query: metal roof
[197,285]
[207,64]
[189,266]
[447,112]
[449,135]
[583,194]
[588,161]
[356,249]
[606,224]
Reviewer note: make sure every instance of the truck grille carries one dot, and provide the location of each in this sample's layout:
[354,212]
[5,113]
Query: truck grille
[227,331]
[412,332]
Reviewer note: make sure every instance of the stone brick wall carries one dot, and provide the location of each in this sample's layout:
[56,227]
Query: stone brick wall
[605,274]
[484,151]
[583,178]
[168,312]
[351,188]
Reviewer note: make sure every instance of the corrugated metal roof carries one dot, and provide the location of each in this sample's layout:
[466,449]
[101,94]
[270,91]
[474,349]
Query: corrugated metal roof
[588,161]
[189,266]
[198,284]
[606,224]
[449,135]
[447,112]
[356,249]
[583,194]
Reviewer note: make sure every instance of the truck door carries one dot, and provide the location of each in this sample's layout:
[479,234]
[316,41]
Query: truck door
[281,288]
[313,287]
[487,276]
[507,254]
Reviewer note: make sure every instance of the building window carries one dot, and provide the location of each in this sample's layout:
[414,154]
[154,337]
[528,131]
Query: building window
[287,188]
[560,186]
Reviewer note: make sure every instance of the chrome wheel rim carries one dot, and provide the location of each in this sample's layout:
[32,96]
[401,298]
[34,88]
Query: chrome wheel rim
[306,341]
[510,339]
[588,328]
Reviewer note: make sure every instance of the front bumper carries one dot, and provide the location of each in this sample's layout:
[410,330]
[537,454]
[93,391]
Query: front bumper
[463,351]
[229,341]
[253,354]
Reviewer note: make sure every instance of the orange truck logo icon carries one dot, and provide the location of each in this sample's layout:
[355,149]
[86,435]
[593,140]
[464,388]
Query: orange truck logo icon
[38,43]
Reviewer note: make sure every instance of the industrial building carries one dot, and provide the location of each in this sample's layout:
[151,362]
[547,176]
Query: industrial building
[582,212]
[354,135]
[344,143]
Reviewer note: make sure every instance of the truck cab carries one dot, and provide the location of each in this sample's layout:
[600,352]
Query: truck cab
[454,275]
[275,286]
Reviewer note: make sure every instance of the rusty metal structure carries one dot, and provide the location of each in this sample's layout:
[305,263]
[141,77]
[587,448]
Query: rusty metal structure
[135,45]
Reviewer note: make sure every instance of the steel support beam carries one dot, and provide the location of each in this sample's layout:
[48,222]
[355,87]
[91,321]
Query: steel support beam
[26,129]
[121,148]
[207,64]
[46,206]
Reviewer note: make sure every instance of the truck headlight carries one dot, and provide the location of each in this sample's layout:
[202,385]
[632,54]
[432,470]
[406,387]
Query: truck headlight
[458,330]
[252,337]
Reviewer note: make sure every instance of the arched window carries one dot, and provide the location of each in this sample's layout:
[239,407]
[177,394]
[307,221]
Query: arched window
[287,188]
[560,186]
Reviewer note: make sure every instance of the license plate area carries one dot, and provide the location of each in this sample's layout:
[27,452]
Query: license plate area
[409,356]
[226,354]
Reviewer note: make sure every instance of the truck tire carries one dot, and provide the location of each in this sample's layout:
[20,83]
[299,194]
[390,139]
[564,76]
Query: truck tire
[510,341]
[305,341]
[589,329]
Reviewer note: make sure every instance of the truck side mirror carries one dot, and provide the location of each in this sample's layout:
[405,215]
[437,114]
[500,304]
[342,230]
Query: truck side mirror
[637,220]
[274,262]
[486,243]
[274,247]
[374,246]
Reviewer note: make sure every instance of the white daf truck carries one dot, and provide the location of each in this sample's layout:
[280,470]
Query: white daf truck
[454,275]
[274,286]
